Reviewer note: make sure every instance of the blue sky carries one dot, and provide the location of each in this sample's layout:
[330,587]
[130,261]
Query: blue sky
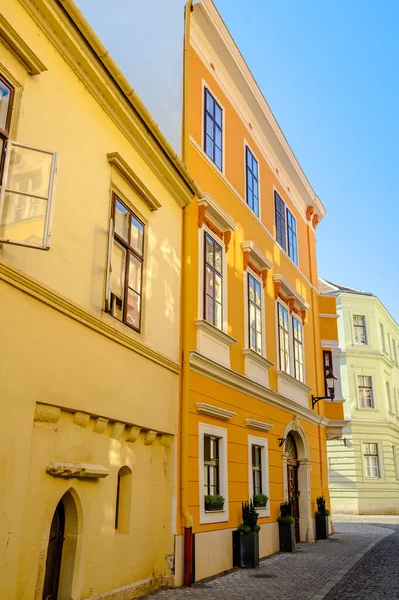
[329,73]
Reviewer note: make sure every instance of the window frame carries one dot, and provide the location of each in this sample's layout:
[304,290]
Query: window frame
[389,397]
[294,234]
[205,112]
[221,433]
[357,327]
[293,254]
[285,308]
[369,454]
[301,345]
[212,463]
[247,150]
[5,133]
[114,236]
[257,281]
[361,387]
[382,333]
[215,274]
[264,445]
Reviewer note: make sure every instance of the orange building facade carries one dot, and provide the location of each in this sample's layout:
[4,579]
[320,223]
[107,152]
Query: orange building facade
[258,333]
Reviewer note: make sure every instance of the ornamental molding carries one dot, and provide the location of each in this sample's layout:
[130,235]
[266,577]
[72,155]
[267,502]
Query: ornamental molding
[334,429]
[48,414]
[214,411]
[206,327]
[216,219]
[116,160]
[36,290]
[328,316]
[67,470]
[261,425]
[13,41]
[257,358]
[254,258]
[288,294]
[225,376]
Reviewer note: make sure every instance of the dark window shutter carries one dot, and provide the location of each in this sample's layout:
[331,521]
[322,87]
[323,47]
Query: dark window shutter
[281,235]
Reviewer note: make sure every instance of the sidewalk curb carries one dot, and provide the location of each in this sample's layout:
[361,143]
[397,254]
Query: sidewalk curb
[332,582]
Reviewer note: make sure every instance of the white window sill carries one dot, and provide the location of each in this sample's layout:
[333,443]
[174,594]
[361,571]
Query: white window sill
[293,389]
[263,512]
[213,516]
[256,367]
[213,343]
[368,408]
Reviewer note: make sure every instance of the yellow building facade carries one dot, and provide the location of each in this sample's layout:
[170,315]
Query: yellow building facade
[91,228]
[258,333]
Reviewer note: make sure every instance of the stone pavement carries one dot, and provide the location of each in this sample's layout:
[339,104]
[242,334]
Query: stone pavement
[311,572]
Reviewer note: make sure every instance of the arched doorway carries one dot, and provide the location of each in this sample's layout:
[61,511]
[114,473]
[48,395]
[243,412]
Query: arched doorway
[61,551]
[292,479]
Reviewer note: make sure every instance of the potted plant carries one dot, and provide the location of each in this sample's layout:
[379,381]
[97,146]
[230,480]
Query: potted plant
[260,500]
[286,528]
[213,503]
[246,539]
[321,518]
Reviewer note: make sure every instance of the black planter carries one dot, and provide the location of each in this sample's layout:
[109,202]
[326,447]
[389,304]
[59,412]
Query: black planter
[287,537]
[321,527]
[213,507]
[245,549]
[258,505]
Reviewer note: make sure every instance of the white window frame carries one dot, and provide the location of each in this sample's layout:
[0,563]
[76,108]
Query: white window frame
[298,318]
[264,444]
[389,397]
[201,275]
[246,312]
[382,334]
[284,305]
[45,245]
[358,392]
[221,433]
[355,343]
[205,85]
[247,145]
[379,459]
[296,264]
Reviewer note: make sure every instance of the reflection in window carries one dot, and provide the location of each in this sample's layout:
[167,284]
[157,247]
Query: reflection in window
[213,282]
[213,125]
[284,338]
[255,314]
[371,460]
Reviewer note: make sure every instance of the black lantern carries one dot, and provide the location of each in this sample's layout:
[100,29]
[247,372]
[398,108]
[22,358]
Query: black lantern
[330,381]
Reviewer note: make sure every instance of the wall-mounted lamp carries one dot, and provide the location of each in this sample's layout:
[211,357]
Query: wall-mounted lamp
[281,441]
[330,380]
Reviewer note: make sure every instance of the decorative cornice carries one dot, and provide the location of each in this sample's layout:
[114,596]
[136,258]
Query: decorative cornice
[214,411]
[215,332]
[254,258]
[17,46]
[116,160]
[67,470]
[316,220]
[309,212]
[36,290]
[225,376]
[255,357]
[334,429]
[284,290]
[216,212]
[261,425]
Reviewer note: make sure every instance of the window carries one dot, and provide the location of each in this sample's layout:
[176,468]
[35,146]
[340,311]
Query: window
[328,368]
[125,270]
[366,399]
[371,460]
[382,337]
[252,181]
[359,329]
[213,275]
[123,500]
[257,469]
[298,349]
[284,338]
[213,129]
[285,228]
[395,356]
[389,346]
[6,101]
[389,396]
[255,314]
[211,466]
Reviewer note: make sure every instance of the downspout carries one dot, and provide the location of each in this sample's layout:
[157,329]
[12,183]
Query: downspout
[185,321]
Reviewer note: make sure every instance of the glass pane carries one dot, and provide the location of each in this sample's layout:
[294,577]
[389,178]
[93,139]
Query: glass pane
[135,274]
[121,220]
[209,250]
[209,102]
[218,288]
[218,115]
[258,321]
[218,137]
[209,126]
[207,447]
[136,235]
[209,289]
[133,309]
[118,270]
[23,218]
[255,168]
[29,171]
[250,198]
[4,104]
[218,258]
[253,339]
[209,146]
[209,310]
[251,289]
[258,293]
[218,316]
[218,158]
[259,343]
[252,316]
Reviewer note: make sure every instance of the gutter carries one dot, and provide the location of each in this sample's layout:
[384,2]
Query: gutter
[104,56]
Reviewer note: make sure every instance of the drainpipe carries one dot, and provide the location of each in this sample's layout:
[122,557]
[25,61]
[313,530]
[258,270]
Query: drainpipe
[185,324]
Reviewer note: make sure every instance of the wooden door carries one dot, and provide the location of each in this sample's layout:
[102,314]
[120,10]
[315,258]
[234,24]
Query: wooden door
[54,554]
[293,496]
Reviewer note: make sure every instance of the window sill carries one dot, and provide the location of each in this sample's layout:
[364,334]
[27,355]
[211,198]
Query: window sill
[294,381]
[220,335]
[256,367]
[368,408]
[213,516]
[213,343]
[293,389]
[263,512]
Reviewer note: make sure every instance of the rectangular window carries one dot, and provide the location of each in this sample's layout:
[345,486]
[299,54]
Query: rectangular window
[213,129]
[389,346]
[284,338]
[281,234]
[252,181]
[257,469]
[359,329]
[291,234]
[382,337]
[298,349]
[255,314]
[213,275]
[389,396]
[211,466]
[395,356]
[6,102]
[126,266]
[371,460]
[328,368]
[366,399]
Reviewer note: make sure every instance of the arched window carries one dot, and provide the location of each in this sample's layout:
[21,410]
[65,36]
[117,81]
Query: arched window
[123,500]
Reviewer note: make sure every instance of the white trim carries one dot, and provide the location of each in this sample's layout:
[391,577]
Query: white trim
[261,425]
[215,97]
[254,154]
[203,325]
[263,443]
[247,340]
[293,381]
[328,316]
[261,360]
[330,344]
[256,255]
[220,432]
[289,290]
[216,212]
[214,411]
[380,456]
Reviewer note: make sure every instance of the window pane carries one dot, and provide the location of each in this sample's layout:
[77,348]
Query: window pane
[251,288]
[117,280]
[218,115]
[252,316]
[258,321]
[135,274]
[209,250]
[218,137]
[218,258]
[209,309]
[209,102]
[209,288]
[23,219]
[207,447]
[29,171]
[121,220]
[133,309]
[218,316]
[209,126]
[5,95]
[218,288]
[218,158]
[136,235]
[209,146]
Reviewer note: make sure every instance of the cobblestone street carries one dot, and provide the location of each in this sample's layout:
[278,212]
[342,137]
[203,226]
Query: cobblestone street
[358,562]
